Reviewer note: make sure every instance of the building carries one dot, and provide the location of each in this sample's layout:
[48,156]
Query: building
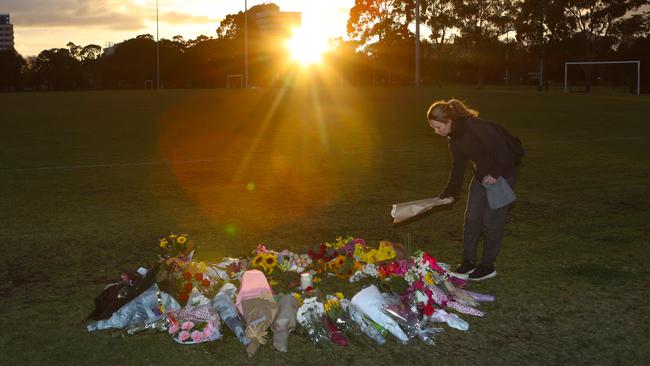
[6,32]
[277,23]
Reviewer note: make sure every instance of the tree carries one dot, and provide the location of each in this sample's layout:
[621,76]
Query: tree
[595,20]
[11,66]
[57,69]
[439,17]
[538,24]
[481,22]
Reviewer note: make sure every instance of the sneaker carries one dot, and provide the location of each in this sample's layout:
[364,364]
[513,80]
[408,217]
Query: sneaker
[464,269]
[482,272]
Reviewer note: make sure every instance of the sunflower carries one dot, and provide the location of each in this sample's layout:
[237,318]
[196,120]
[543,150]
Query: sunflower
[270,262]
[181,239]
[258,260]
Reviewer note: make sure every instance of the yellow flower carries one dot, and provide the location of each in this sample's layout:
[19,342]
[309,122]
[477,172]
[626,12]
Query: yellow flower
[339,295]
[358,251]
[172,236]
[274,283]
[298,297]
[181,240]
[428,279]
[163,243]
[385,251]
[316,279]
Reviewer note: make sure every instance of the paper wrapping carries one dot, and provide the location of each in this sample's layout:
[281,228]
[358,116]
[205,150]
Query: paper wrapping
[285,322]
[259,314]
[406,210]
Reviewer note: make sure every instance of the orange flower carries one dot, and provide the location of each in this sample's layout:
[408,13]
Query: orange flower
[198,276]
[187,276]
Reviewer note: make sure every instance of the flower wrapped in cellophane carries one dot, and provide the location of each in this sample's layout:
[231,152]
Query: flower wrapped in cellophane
[335,319]
[410,321]
[285,321]
[258,307]
[196,323]
[227,311]
[371,302]
[309,317]
[364,324]
[149,306]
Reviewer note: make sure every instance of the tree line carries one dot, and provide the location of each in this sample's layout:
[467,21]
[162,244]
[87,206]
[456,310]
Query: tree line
[467,41]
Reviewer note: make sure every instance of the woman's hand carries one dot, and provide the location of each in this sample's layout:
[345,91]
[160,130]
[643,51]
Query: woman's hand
[488,179]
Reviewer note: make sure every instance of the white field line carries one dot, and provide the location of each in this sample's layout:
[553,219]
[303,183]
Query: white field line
[350,152]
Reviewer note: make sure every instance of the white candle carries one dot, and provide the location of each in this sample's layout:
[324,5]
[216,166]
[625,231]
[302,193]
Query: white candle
[305,280]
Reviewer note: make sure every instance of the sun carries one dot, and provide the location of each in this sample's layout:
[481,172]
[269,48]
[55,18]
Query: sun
[307,46]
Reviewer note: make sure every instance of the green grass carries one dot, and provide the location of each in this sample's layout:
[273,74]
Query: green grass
[91,180]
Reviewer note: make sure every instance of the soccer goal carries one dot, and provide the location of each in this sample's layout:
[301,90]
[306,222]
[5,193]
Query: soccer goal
[232,81]
[638,71]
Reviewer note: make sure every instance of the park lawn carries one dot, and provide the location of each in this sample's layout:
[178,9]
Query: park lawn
[91,180]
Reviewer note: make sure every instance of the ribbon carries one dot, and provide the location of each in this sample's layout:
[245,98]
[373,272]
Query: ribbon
[255,334]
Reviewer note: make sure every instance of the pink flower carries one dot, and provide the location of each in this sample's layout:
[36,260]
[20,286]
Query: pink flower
[174,328]
[197,336]
[187,326]
[183,336]
[208,331]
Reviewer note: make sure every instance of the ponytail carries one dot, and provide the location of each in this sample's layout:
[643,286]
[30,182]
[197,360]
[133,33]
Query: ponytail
[461,109]
[450,110]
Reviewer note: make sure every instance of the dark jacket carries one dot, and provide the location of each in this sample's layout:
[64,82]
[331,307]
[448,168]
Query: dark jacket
[472,139]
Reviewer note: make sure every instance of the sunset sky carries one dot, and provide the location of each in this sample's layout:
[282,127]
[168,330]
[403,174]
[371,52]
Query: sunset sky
[45,24]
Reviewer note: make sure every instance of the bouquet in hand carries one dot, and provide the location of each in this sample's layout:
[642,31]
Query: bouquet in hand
[226,309]
[309,317]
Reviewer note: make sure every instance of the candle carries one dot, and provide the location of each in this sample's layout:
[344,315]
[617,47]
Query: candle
[305,280]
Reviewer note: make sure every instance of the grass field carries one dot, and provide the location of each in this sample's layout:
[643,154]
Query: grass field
[91,180]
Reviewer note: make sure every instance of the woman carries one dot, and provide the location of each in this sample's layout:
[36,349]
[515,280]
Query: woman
[482,143]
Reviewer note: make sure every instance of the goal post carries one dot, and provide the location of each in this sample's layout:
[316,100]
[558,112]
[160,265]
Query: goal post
[638,71]
[234,77]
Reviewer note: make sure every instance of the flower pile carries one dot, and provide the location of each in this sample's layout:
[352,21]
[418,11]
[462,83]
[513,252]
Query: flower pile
[417,290]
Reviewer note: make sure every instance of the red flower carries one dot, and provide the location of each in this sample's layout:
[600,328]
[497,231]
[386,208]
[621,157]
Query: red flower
[428,310]
[198,276]
[183,298]
[187,276]
[205,283]
[188,287]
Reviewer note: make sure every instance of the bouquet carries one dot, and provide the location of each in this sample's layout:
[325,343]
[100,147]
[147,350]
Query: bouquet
[334,319]
[177,246]
[145,308]
[197,322]
[285,322]
[258,307]
[364,324]
[371,302]
[411,323]
[223,305]
[309,317]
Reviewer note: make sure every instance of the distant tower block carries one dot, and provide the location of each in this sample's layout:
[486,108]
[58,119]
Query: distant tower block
[6,32]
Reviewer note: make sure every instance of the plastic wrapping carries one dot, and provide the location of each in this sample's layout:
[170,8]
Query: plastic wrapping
[309,317]
[411,323]
[371,302]
[333,332]
[224,306]
[451,319]
[157,326]
[197,322]
[143,309]
[364,325]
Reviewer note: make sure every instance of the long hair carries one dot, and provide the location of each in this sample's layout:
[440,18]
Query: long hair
[452,109]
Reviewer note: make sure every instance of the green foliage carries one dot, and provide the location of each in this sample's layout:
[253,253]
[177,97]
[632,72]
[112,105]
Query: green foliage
[91,180]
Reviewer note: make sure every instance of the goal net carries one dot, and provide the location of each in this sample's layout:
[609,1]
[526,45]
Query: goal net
[602,74]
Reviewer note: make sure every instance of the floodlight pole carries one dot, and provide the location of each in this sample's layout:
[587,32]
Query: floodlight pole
[157,50]
[417,44]
[245,43]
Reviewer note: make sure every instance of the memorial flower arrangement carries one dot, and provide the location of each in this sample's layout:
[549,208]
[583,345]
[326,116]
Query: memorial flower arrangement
[418,290]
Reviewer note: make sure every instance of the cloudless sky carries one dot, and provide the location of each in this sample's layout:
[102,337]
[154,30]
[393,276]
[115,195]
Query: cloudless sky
[40,25]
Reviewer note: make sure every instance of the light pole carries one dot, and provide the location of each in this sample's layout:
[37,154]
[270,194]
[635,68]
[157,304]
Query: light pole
[417,44]
[157,51]
[246,44]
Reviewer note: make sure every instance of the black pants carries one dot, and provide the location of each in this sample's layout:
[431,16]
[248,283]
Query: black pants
[481,219]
